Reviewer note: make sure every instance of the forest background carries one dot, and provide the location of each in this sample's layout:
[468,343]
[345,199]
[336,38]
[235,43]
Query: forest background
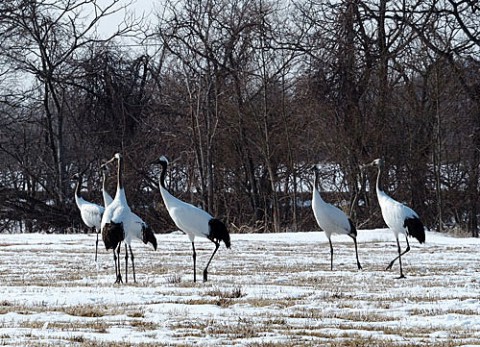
[243,96]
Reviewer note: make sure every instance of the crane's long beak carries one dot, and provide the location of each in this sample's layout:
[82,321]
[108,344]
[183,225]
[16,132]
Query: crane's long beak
[104,165]
[364,166]
[77,175]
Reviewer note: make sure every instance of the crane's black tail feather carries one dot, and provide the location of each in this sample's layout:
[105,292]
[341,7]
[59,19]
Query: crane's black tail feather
[112,235]
[149,236]
[415,228]
[353,230]
[218,231]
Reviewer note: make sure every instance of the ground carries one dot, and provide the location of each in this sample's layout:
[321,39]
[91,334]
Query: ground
[268,290]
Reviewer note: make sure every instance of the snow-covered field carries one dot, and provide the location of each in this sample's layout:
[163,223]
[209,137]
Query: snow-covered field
[268,290]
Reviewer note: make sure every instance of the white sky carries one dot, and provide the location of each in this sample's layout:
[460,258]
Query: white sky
[138,8]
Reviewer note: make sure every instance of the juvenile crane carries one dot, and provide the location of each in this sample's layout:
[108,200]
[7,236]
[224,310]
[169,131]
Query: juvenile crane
[193,221]
[90,212]
[332,220]
[119,224]
[398,217]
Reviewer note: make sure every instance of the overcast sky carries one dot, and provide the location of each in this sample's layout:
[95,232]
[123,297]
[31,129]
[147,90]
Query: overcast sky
[138,7]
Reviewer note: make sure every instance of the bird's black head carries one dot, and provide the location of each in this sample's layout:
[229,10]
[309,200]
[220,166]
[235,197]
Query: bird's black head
[219,232]
[149,236]
[162,160]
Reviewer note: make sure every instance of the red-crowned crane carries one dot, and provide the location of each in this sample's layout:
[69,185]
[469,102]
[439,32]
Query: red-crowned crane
[90,212]
[193,221]
[398,217]
[119,224]
[331,219]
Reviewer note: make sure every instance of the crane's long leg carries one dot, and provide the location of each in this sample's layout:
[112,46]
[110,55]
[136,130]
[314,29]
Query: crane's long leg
[205,271]
[119,274]
[133,263]
[126,263]
[356,252]
[399,257]
[96,245]
[194,256]
[331,254]
[115,262]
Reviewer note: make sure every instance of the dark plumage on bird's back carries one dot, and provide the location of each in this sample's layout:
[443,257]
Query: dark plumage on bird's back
[415,228]
[218,231]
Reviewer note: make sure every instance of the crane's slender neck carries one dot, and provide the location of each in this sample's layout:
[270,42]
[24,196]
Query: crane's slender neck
[106,197]
[77,187]
[104,180]
[169,200]
[316,197]
[379,187]
[120,173]
[163,174]
[315,180]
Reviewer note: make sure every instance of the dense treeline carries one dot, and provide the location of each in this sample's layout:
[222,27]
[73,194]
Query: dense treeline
[244,96]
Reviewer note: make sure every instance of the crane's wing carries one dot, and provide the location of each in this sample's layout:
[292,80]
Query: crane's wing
[336,218]
[331,218]
[92,214]
[395,213]
[191,219]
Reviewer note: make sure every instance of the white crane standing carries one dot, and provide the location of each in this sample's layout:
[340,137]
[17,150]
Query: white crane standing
[90,212]
[119,224]
[398,217]
[332,220]
[193,221]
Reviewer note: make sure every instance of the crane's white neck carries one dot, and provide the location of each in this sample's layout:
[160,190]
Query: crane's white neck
[78,198]
[120,193]
[77,187]
[378,184]
[120,173]
[104,179]
[316,190]
[107,199]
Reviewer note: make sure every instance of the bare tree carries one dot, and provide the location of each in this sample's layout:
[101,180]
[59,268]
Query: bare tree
[40,41]
[451,30]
